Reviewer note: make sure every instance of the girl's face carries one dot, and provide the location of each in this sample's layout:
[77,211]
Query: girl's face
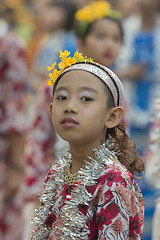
[103,43]
[79,108]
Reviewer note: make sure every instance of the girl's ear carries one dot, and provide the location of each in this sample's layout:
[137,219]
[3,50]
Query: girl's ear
[51,108]
[114,117]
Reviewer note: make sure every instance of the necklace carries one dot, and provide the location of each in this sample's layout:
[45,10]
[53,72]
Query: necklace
[70,178]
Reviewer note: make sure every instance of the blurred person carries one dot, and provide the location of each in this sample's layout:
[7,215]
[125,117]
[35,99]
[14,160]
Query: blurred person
[152,158]
[55,18]
[127,8]
[139,68]
[99,37]
[143,69]
[80,3]
[19,16]
[13,86]
[7,14]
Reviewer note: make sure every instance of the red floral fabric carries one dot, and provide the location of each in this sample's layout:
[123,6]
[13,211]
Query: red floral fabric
[116,210]
[13,83]
[13,86]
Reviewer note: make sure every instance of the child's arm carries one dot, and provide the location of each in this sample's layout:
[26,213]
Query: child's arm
[16,166]
[132,72]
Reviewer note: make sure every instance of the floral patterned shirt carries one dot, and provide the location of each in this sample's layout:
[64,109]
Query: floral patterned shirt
[115,209]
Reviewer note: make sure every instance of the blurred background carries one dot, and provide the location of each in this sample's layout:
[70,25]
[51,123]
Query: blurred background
[31,35]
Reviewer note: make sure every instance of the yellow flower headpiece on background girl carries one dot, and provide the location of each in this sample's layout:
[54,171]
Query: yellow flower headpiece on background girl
[96,10]
[66,61]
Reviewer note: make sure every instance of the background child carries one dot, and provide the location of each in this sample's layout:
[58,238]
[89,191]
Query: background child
[99,33]
[54,25]
[91,193]
[140,71]
[13,88]
[152,157]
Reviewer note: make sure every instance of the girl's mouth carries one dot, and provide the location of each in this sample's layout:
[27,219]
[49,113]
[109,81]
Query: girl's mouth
[108,55]
[69,122]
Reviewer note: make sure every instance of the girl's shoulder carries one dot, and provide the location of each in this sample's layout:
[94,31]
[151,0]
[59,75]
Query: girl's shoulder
[117,179]
[120,168]
[117,175]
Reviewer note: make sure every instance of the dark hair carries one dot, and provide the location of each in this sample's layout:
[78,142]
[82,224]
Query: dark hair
[123,146]
[83,29]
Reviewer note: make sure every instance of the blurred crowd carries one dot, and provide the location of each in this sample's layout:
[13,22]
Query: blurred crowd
[31,35]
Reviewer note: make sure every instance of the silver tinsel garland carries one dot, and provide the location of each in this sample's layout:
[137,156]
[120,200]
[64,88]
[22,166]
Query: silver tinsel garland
[73,219]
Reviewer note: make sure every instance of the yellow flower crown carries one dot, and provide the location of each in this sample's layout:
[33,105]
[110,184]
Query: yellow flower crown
[96,10]
[66,61]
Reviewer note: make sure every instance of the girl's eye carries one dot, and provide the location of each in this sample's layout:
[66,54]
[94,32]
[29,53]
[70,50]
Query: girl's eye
[116,39]
[87,99]
[61,97]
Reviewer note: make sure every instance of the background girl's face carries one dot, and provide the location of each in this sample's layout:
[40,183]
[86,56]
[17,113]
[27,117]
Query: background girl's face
[50,15]
[103,43]
[79,109]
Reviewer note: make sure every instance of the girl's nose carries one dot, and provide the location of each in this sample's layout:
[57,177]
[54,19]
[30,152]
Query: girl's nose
[108,42]
[71,106]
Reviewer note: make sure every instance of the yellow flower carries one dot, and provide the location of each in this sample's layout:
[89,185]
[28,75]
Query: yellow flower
[93,11]
[56,73]
[64,54]
[52,76]
[61,65]
[78,55]
[50,82]
[65,62]
[71,61]
[51,68]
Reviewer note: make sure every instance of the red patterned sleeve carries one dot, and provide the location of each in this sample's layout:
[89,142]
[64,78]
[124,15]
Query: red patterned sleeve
[120,208]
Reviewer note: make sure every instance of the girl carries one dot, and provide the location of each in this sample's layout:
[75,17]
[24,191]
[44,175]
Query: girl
[99,32]
[91,193]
